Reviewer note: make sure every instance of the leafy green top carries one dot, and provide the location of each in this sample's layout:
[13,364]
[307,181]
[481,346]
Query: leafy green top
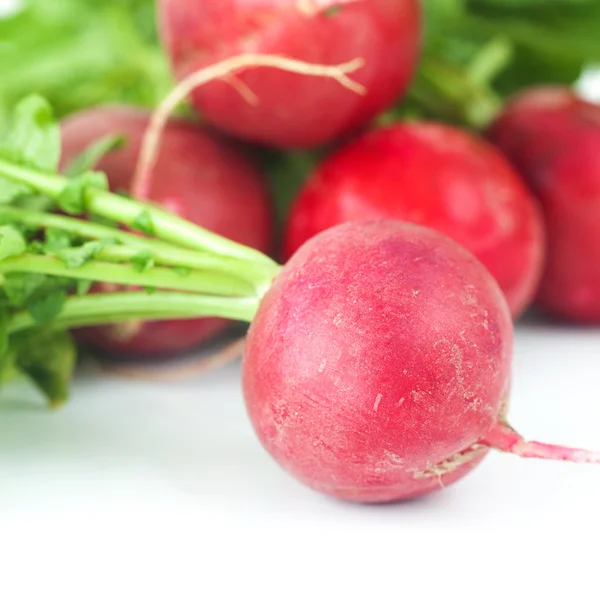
[80,53]
[49,261]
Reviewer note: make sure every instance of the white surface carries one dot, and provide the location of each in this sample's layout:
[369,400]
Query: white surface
[161,490]
[8,7]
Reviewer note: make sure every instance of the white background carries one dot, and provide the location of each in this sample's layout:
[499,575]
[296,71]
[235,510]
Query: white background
[161,490]
[146,490]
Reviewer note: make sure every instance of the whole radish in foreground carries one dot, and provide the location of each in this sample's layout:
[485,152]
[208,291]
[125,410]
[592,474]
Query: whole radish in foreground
[199,177]
[438,176]
[377,367]
[293,110]
[553,138]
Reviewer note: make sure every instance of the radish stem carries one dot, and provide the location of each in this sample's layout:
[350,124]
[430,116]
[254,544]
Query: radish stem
[167,226]
[101,309]
[162,253]
[196,281]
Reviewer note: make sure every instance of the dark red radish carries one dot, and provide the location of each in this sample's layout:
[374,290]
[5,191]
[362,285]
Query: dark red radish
[294,110]
[198,176]
[377,367]
[433,175]
[553,137]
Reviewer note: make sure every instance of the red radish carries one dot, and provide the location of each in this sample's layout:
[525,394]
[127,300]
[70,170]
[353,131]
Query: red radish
[198,176]
[294,110]
[553,138]
[377,367]
[437,176]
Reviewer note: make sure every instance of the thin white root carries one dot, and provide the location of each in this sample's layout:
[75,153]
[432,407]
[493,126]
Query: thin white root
[219,359]
[242,89]
[228,67]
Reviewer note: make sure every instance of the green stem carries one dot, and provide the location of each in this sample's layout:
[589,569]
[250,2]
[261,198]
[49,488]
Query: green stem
[158,277]
[166,225]
[83,228]
[448,90]
[99,309]
[490,61]
[163,253]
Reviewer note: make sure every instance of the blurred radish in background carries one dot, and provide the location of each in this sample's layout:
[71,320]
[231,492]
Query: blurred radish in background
[553,137]
[198,176]
[434,175]
[290,110]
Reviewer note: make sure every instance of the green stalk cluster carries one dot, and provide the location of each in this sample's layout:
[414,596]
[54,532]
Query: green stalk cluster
[203,274]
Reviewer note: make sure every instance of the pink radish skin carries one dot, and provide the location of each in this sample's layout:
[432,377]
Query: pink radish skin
[378,365]
[437,176]
[294,110]
[197,176]
[553,137]
[382,351]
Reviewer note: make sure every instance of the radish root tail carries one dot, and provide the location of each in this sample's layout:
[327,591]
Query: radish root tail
[226,69]
[503,437]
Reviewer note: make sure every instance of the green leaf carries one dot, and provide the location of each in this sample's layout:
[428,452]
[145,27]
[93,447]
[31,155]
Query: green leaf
[89,158]
[48,358]
[56,240]
[44,307]
[182,271]
[142,261]
[12,243]
[83,287]
[100,220]
[35,202]
[81,53]
[18,287]
[72,199]
[36,247]
[143,222]
[78,256]
[32,139]
[286,173]
[3,335]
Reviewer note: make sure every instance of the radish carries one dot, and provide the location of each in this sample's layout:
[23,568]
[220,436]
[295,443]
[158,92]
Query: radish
[197,176]
[377,367]
[553,137]
[434,175]
[294,111]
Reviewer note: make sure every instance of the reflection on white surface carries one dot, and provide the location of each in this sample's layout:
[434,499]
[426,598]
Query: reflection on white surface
[133,472]
[8,7]
[589,85]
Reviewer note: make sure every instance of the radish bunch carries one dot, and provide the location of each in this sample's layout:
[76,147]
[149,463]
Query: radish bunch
[377,365]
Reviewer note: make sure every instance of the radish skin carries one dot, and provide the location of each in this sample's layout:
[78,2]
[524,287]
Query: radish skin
[437,176]
[293,111]
[197,176]
[553,138]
